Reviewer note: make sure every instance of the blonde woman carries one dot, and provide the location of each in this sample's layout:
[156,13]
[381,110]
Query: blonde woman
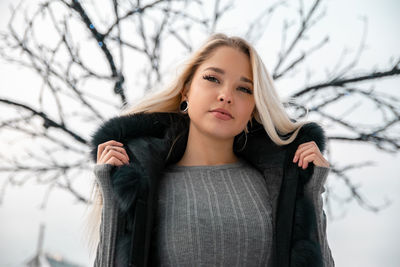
[211,171]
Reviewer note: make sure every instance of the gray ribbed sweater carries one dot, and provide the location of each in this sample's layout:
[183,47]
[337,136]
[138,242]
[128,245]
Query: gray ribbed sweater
[214,216]
[220,215]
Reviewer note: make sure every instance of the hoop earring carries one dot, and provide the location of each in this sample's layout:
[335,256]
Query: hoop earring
[183,107]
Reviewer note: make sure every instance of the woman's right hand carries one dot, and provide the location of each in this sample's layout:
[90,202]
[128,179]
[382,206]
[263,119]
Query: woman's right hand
[112,152]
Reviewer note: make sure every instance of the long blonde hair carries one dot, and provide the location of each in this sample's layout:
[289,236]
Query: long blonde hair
[269,111]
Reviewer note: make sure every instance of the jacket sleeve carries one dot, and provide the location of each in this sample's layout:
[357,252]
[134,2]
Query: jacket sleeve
[108,227]
[314,189]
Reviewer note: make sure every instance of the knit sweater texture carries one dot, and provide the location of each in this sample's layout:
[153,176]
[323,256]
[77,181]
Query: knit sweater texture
[218,215]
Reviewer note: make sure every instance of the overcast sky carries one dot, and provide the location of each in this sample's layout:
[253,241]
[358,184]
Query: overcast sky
[359,238]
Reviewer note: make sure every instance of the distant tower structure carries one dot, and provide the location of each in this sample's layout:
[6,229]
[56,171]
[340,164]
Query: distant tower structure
[43,259]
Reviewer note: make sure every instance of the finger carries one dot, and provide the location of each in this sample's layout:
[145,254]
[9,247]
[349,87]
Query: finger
[124,152]
[306,150]
[304,154]
[118,155]
[111,151]
[113,156]
[114,161]
[102,146]
[119,149]
[309,158]
[300,150]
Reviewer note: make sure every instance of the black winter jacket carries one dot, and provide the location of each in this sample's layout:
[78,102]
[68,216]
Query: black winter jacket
[148,137]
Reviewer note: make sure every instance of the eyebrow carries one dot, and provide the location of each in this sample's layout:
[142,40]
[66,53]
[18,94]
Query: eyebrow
[244,79]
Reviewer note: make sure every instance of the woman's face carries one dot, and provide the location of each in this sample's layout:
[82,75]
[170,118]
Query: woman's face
[222,81]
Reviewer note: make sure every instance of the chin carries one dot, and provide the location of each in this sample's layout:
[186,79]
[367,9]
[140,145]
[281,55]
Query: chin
[221,133]
[215,129]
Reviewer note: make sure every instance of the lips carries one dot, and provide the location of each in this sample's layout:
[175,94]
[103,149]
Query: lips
[221,116]
[223,111]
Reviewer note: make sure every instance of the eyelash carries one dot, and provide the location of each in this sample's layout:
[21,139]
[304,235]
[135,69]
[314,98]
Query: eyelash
[208,77]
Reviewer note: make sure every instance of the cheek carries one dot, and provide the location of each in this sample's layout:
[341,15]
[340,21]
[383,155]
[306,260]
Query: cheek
[246,107]
[197,104]
[201,96]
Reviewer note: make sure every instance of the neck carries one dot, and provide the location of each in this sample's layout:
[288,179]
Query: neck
[204,149]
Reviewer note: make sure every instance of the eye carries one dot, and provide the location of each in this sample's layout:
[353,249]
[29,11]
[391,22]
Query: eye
[210,78]
[247,90]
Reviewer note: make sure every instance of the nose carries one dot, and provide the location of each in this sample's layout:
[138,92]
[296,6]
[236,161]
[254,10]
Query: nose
[225,95]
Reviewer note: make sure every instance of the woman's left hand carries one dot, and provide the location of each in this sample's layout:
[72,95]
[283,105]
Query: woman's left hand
[309,152]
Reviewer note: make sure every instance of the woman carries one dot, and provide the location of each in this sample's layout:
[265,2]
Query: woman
[211,171]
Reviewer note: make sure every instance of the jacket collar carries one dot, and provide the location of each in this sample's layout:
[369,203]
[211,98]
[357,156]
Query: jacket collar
[259,149]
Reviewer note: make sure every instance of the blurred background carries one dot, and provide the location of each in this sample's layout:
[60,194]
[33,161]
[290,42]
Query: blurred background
[68,65]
